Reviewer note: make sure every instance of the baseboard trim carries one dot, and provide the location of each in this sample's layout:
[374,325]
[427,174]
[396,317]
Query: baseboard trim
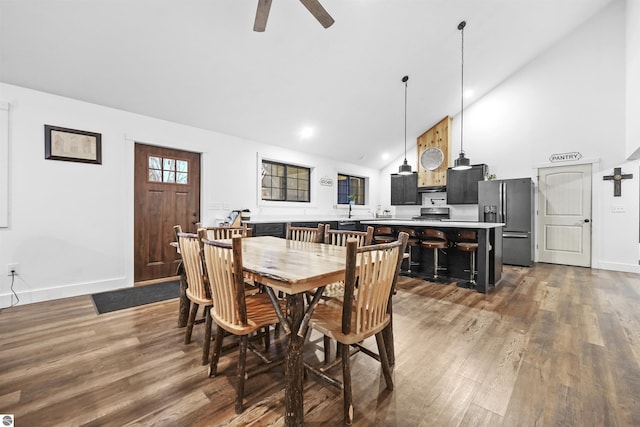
[57,292]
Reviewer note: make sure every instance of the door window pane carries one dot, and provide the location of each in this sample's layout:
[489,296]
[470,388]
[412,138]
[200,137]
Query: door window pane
[167,170]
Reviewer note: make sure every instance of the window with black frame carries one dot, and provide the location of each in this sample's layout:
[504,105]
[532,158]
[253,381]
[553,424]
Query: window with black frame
[285,183]
[350,189]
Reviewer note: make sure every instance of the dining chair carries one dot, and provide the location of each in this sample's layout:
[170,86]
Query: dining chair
[233,310]
[183,307]
[336,290]
[197,291]
[340,237]
[365,312]
[223,233]
[305,234]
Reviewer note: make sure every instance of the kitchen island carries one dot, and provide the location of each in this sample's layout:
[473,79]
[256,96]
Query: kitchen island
[488,256]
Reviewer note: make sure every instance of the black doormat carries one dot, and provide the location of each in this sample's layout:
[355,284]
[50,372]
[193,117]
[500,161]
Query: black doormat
[133,297]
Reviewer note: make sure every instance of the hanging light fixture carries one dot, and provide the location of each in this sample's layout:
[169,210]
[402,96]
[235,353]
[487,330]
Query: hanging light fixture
[462,162]
[405,168]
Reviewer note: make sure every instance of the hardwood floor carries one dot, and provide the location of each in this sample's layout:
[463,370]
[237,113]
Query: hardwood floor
[553,346]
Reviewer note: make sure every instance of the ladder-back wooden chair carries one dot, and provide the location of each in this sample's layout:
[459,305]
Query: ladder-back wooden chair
[197,290]
[233,310]
[305,234]
[363,313]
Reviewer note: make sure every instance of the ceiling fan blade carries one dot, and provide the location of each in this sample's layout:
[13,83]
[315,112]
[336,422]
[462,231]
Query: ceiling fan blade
[319,12]
[262,14]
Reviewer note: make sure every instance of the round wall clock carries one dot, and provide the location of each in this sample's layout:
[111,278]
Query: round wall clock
[431,158]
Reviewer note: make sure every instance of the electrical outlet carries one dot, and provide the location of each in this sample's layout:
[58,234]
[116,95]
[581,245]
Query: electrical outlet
[13,269]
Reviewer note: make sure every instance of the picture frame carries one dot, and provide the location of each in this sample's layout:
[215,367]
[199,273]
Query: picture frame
[72,145]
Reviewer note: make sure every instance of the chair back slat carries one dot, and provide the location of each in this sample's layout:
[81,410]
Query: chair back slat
[223,262]
[190,251]
[223,233]
[340,237]
[305,234]
[378,267]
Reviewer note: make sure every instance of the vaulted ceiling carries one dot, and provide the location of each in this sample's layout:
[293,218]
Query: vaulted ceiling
[199,63]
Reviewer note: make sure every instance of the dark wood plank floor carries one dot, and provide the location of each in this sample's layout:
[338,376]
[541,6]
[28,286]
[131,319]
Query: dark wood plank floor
[552,346]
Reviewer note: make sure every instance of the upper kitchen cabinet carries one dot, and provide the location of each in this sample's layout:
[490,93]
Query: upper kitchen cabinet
[434,147]
[462,185]
[404,189]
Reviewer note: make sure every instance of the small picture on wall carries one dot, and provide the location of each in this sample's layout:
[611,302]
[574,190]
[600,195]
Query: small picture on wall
[72,145]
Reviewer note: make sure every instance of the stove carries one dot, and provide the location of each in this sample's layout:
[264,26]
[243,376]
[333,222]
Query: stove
[433,214]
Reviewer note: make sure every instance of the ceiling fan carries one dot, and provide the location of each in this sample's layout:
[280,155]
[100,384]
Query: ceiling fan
[313,6]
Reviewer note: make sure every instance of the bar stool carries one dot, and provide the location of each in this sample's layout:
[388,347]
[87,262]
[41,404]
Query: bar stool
[412,241]
[467,241]
[383,234]
[434,239]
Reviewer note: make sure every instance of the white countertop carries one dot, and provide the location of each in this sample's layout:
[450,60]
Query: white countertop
[304,219]
[438,224]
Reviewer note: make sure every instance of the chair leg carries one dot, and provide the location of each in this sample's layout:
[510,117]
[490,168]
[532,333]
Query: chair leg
[384,360]
[242,359]
[206,345]
[326,343]
[346,381]
[217,348]
[267,338]
[190,322]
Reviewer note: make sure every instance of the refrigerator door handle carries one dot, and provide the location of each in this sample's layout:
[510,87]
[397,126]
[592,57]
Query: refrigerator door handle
[501,196]
[504,202]
[515,235]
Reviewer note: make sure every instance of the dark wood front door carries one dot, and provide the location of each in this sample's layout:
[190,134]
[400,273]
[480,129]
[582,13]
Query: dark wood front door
[167,193]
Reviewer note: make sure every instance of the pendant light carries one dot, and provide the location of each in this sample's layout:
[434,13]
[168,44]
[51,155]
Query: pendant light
[462,162]
[405,168]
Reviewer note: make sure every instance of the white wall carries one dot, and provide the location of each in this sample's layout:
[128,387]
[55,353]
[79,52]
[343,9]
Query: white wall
[633,78]
[71,224]
[569,99]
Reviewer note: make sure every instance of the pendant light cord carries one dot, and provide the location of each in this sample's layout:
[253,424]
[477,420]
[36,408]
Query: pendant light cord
[462,24]
[405,118]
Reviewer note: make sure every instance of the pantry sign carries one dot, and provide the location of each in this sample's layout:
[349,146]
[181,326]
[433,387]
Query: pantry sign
[565,157]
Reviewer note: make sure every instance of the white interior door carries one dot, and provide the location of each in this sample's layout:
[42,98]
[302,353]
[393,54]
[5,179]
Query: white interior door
[564,215]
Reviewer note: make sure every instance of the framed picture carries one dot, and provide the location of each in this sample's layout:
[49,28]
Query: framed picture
[72,145]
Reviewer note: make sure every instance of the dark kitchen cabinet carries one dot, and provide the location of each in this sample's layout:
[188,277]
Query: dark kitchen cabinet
[404,189]
[462,185]
[276,229]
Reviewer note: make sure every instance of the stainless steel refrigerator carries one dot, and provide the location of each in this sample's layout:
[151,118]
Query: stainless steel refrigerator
[510,201]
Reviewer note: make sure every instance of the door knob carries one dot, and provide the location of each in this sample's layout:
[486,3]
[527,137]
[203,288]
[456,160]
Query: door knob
[587,220]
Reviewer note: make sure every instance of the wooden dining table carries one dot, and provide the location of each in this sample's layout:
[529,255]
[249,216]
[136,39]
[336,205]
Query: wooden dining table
[293,268]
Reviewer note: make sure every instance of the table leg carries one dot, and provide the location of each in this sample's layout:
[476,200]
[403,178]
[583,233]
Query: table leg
[183,310]
[294,364]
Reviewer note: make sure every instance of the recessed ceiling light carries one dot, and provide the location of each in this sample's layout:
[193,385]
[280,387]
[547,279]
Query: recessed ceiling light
[385,156]
[306,132]
[468,93]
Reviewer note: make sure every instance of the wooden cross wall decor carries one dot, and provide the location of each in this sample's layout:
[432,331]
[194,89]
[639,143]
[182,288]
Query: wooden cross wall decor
[617,178]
